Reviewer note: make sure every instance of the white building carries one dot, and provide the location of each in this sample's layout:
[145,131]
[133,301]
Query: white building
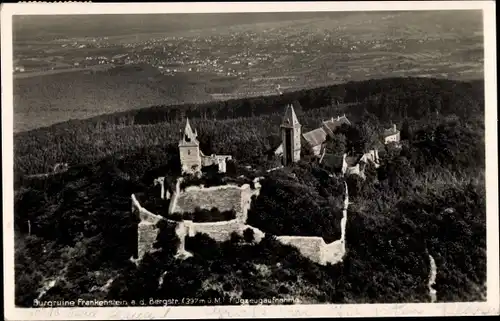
[392,135]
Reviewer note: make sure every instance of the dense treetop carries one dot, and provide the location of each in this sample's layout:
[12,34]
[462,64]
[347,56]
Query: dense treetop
[427,197]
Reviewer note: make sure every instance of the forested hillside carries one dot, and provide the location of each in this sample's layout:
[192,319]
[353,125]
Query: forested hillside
[428,197]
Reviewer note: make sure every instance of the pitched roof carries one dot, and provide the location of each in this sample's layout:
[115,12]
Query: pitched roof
[390,131]
[290,117]
[334,123]
[188,132]
[278,150]
[315,137]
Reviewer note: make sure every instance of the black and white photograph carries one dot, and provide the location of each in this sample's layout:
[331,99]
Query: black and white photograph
[249,159]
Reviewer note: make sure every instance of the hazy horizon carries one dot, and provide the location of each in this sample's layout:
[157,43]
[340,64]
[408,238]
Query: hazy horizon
[64,64]
[29,27]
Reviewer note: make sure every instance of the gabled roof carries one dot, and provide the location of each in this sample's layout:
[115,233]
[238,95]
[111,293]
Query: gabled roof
[334,123]
[315,137]
[290,118]
[390,131]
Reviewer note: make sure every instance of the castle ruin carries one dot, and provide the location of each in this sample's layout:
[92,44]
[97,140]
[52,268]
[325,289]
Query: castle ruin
[312,247]
[315,140]
[292,138]
[192,158]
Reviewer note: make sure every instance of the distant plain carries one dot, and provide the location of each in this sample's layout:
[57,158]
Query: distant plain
[330,49]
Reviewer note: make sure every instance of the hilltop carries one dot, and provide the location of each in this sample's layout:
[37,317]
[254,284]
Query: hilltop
[428,197]
[230,127]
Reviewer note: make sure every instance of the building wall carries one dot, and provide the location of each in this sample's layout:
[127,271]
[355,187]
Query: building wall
[316,150]
[190,156]
[392,138]
[353,170]
[295,145]
[371,157]
[297,137]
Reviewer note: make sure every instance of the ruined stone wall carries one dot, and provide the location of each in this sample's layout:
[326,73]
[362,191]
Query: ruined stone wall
[175,196]
[164,193]
[332,253]
[221,231]
[432,279]
[219,160]
[224,198]
[308,246]
[143,214]
[147,232]
[313,248]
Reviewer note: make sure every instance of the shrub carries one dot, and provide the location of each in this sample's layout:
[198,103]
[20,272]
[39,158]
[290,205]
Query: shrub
[248,235]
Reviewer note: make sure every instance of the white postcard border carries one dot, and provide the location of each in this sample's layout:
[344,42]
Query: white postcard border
[490,307]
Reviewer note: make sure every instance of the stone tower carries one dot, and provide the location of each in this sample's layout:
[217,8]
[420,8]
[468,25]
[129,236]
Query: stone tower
[189,151]
[290,136]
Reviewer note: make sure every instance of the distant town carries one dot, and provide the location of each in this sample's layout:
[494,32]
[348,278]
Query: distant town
[237,54]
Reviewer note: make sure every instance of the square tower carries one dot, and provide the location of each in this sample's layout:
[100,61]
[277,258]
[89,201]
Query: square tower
[189,151]
[291,136]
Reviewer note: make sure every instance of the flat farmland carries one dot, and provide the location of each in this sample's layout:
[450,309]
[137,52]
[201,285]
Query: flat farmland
[238,60]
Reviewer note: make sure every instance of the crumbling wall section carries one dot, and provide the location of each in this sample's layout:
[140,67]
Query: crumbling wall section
[308,246]
[147,230]
[221,231]
[432,279]
[219,160]
[313,248]
[164,193]
[175,196]
[224,198]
